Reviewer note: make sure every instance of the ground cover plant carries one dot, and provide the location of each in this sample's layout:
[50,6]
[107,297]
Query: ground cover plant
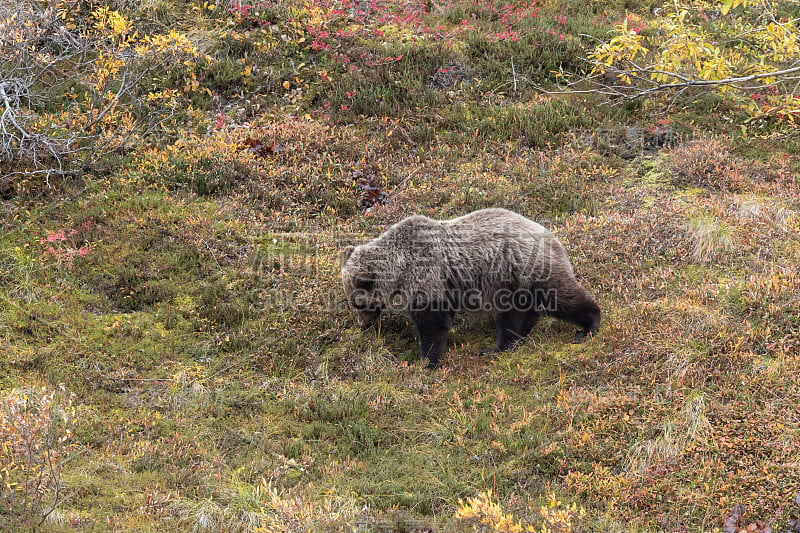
[178,179]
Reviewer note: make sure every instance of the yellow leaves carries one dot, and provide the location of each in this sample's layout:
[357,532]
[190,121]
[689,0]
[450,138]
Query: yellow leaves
[558,516]
[626,46]
[483,512]
[107,67]
[781,39]
[702,41]
[166,94]
[192,84]
[714,66]
[313,15]
[727,5]
[111,23]
[173,42]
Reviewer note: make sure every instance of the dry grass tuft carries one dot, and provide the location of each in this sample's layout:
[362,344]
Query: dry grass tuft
[712,240]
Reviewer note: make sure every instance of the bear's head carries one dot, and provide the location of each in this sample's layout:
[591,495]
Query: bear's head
[358,282]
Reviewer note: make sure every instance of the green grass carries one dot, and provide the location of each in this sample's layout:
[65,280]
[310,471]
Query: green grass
[198,395]
[220,384]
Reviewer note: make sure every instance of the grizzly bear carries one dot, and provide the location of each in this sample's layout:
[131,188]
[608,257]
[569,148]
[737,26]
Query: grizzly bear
[490,260]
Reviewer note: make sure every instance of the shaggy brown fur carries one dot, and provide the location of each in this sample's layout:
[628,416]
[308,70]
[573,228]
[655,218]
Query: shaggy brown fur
[490,260]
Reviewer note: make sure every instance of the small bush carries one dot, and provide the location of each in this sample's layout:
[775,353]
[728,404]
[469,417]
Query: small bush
[206,169]
[35,426]
[709,163]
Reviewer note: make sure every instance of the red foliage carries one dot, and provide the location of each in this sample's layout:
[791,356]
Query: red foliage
[373,193]
[260,147]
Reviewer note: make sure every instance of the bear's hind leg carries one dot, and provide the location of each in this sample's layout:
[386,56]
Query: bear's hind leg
[433,327]
[513,326]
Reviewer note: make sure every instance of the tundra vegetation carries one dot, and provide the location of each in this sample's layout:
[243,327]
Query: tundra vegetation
[178,177]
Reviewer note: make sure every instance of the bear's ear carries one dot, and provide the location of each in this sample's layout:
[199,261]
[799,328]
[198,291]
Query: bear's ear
[346,253]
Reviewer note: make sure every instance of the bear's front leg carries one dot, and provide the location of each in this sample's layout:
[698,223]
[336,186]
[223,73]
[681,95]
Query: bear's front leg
[433,327]
[512,327]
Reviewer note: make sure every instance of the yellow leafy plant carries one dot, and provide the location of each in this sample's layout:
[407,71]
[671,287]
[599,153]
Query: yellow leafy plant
[722,45]
[483,513]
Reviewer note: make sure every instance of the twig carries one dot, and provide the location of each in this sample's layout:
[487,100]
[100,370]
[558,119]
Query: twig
[628,92]
[514,73]
[56,497]
[711,83]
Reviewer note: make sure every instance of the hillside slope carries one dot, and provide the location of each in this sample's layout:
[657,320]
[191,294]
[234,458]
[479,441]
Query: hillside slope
[176,355]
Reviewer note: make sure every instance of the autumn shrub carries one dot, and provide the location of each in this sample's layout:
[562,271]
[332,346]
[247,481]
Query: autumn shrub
[745,54]
[204,167]
[35,428]
[376,82]
[710,163]
[483,513]
[341,60]
[74,89]
[224,164]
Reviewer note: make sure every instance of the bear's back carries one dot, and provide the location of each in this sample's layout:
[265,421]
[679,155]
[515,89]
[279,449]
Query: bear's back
[497,221]
[491,247]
